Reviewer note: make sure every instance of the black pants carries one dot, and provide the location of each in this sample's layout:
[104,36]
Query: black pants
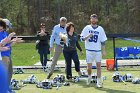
[43,55]
[69,56]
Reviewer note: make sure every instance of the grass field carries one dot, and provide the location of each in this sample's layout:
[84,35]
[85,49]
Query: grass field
[24,54]
[81,87]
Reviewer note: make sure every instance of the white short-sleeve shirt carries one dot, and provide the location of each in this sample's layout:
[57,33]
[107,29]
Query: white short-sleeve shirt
[94,42]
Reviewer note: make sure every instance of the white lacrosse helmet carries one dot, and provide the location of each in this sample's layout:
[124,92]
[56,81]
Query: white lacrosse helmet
[116,77]
[128,77]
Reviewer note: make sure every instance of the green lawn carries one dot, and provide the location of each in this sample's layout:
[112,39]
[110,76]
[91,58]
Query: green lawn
[81,87]
[24,54]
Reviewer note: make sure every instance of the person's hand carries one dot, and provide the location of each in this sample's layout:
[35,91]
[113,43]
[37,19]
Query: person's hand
[42,33]
[17,40]
[11,35]
[6,41]
[90,35]
[4,48]
[104,53]
[81,52]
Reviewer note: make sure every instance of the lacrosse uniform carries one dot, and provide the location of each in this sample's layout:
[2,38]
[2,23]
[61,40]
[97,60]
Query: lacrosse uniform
[93,44]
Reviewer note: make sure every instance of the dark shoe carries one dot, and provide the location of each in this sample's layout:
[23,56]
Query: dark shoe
[48,77]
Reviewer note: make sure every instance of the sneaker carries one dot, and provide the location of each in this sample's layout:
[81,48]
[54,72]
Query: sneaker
[48,77]
[99,85]
[88,80]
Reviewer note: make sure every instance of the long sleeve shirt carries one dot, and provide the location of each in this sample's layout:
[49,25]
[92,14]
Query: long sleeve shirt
[55,34]
[43,40]
[72,43]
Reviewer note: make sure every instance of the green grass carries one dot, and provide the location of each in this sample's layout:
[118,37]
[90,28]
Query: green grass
[24,54]
[81,87]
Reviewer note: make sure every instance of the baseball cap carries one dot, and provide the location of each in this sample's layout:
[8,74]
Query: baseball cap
[63,19]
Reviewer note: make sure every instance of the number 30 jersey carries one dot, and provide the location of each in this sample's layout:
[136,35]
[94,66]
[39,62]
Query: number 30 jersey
[93,43]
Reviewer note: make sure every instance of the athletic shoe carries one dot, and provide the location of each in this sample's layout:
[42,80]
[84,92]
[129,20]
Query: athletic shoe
[48,77]
[99,84]
[88,80]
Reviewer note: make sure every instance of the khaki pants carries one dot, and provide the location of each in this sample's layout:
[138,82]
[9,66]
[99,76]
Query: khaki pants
[58,51]
[8,64]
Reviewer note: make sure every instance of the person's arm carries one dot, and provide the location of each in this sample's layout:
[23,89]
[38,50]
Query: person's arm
[4,48]
[87,37]
[84,35]
[5,41]
[11,40]
[52,37]
[103,41]
[103,48]
[42,35]
[79,47]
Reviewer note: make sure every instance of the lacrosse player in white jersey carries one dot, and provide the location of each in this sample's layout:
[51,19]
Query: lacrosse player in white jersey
[94,37]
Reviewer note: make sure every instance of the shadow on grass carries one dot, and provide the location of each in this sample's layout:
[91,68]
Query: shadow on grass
[107,90]
[114,90]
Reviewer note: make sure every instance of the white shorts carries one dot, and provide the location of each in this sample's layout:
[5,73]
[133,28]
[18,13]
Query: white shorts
[92,56]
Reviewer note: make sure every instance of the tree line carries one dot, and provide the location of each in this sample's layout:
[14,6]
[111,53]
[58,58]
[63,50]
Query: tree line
[116,16]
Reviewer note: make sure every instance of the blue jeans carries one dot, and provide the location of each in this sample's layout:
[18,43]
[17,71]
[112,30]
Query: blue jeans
[69,56]
[43,55]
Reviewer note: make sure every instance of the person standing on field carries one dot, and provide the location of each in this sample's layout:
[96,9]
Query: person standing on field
[94,37]
[70,51]
[60,28]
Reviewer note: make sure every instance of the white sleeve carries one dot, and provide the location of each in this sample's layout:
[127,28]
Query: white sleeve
[84,32]
[103,36]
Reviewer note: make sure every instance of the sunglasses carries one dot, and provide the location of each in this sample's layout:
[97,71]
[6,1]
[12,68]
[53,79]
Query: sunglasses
[94,16]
